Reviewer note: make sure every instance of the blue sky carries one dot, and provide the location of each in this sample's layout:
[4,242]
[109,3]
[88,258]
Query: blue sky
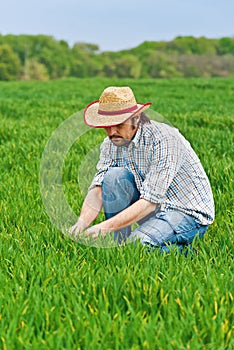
[116,25]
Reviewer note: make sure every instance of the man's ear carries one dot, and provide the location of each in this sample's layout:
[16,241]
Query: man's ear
[137,119]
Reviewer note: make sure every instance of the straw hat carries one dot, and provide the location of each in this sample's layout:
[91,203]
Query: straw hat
[115,106]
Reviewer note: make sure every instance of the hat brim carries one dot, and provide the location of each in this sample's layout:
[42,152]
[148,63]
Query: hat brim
[95,120]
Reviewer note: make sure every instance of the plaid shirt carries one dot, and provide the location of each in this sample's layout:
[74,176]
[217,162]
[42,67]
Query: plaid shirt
[167,171]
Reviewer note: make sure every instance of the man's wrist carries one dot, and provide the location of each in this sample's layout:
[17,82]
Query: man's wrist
[81,224]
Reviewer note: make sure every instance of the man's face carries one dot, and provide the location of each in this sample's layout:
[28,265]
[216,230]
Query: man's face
[122,134]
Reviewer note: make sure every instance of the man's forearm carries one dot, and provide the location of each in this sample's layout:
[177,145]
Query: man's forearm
[91,207]
[128,216]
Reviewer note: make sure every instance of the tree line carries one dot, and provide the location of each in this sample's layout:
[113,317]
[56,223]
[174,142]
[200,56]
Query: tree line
[40,57]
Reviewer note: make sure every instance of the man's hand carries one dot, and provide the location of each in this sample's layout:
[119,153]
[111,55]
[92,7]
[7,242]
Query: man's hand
[95,231]
[89,211]
[78,227]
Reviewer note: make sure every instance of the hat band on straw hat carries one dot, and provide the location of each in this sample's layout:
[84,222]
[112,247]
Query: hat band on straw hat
[122,111]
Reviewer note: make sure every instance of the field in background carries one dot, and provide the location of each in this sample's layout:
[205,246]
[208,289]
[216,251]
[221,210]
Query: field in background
[57,294]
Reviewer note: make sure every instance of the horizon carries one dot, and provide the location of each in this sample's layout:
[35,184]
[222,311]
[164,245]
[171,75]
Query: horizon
[100,51]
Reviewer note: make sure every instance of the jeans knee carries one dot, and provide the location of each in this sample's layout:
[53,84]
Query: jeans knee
[113,177]
[118,190]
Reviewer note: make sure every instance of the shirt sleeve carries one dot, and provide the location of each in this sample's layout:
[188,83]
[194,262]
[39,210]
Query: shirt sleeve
[105,162]
[168,155]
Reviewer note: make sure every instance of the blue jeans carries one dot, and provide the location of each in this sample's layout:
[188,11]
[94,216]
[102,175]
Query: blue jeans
[161,228]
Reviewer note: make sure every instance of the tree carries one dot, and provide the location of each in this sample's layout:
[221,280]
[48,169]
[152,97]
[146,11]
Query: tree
[86,47]
[37,71]
[193,46]
[127,66]
[226,46]
[55,56]
[9,63]
[161,65]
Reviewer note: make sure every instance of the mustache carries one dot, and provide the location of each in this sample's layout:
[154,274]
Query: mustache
[114,136]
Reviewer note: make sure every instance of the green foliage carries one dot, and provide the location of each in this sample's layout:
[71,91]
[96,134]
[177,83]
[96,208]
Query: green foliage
[9,63]
[226,46]
[42,57]
[127,66]
[58,294]
[35,70]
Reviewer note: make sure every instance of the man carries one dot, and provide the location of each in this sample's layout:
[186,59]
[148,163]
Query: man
[147,174]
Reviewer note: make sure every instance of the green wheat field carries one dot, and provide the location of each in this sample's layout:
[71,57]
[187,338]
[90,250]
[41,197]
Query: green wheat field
[60,294]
